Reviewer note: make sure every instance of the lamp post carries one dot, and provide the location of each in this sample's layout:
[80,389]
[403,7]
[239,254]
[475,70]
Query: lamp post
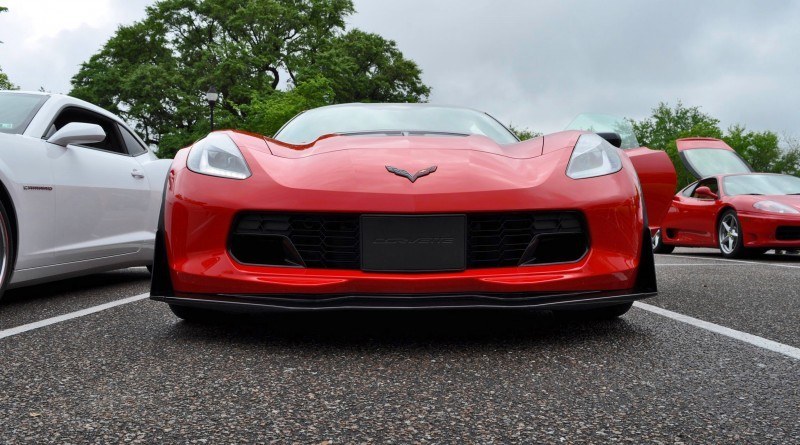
[212,96]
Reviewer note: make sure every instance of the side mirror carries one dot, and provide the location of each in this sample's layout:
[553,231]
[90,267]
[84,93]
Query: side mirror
[612,138]
[705,192]
[78,133]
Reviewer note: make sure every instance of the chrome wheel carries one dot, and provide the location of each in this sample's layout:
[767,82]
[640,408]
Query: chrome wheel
[656,239]
[728,233]
[5,251]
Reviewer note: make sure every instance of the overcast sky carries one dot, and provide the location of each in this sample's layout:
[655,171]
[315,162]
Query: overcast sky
[536,64]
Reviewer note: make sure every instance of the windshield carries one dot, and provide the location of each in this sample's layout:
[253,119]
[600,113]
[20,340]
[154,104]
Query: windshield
[17,111]
[605,123]
[761,185]
[714,161]
[393,120]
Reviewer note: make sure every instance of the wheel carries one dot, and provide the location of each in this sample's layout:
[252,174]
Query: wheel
[150,269]
[6,250]
[195,315]
[599,313]
[729,234]
[659,246]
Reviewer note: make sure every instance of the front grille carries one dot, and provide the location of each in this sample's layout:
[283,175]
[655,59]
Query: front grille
[788,233]
[501,240]
[332,241]
[322,241]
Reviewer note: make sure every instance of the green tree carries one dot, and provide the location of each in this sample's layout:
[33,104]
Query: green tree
[5,83]
[524,133]
[155,72]
[761,150]
[267,113]
[365,67]
[666,124]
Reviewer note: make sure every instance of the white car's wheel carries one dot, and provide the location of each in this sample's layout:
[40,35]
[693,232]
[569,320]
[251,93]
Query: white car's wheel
[6,249]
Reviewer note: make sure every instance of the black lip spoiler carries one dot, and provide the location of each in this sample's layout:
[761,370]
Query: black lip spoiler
[313,303]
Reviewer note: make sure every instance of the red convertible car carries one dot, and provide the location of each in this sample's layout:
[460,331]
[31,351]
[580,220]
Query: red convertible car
[401,206]
[740,212]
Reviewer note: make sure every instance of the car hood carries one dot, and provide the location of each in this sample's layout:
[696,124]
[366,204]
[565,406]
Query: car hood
[463,164]
[333,143]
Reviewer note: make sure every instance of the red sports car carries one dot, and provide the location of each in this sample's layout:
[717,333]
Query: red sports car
[401,206]
[741,212]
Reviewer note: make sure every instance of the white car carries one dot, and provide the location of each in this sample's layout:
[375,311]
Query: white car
[79,192]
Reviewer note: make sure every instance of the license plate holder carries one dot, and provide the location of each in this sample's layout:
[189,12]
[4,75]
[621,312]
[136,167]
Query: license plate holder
[413,243]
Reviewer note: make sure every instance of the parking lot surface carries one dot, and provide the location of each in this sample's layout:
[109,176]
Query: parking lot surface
[135,373]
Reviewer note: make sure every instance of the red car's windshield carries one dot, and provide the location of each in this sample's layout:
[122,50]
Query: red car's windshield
[392,120]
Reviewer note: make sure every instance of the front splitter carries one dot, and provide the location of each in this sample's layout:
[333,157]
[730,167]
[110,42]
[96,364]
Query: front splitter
[319,302]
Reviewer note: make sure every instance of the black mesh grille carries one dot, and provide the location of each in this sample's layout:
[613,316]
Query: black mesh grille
[498,240]
[788,233]
[323,241]
[332,241]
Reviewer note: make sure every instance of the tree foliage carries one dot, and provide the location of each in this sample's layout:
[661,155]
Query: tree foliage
[5,83]
[269,59]
[762,150]
[524,133]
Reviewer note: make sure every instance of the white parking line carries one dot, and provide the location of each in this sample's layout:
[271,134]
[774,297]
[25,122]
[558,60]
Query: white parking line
[760,263]
[697,264]
[763,343]
[40,324]
[754,340]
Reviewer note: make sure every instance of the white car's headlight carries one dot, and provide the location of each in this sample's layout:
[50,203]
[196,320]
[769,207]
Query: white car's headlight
[775,207]
[593,156]
[218,155]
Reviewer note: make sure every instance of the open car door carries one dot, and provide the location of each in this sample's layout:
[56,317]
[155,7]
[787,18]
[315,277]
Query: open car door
[656,172]
[705,157]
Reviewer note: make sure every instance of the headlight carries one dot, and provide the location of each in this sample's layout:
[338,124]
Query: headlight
[774,207]
[593,156]
[217,155]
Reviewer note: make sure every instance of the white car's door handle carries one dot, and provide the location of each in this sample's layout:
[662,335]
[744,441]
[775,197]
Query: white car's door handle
[136,173]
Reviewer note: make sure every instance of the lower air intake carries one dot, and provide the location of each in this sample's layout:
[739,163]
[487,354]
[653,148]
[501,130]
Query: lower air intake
[333,241]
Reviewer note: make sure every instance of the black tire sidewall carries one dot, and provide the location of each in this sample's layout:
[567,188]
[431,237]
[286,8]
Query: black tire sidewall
[661,247]
[11,250]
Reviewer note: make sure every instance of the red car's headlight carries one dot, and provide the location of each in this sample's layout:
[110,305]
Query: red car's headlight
[218,155]
[775,207]
[593,156]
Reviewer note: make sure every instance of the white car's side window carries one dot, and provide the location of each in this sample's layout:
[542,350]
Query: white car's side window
[135,148]
[112,143]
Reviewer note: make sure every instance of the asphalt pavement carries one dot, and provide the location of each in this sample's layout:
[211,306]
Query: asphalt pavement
[136,374]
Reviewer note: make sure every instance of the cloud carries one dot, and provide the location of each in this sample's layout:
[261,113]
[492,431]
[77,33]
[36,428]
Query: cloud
[536,64]
[46,41]
[539,64]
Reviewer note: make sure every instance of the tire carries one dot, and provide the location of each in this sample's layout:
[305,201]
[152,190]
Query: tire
[7,250]
[600,313]
[196,315]
[658,244]
[729,236]
[150,269]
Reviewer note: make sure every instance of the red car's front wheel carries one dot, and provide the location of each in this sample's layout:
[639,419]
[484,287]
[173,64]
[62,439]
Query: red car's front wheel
[730,235]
